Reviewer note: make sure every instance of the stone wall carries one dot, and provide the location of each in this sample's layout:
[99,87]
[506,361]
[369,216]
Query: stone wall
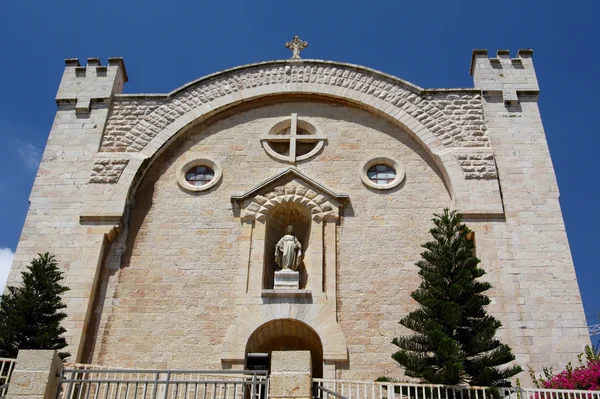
[172,298]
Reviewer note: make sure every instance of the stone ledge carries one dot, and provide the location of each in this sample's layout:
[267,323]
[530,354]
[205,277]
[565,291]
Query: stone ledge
[286,293]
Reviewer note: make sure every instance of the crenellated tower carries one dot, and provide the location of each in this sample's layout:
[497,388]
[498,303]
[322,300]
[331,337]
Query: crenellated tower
[53,222]
[505,76]
[93,83]
[536,293]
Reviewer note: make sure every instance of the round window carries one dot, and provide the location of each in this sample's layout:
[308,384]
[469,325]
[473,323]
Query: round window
[200,175]
[381,174]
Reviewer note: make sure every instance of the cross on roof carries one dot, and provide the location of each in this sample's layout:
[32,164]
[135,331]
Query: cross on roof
[293,138]
[296,45]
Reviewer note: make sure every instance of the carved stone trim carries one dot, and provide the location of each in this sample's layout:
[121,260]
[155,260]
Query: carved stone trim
[293,186]
[478,165]
[108,170]
[285,176]
[259,207]
[335,79]
[293,123]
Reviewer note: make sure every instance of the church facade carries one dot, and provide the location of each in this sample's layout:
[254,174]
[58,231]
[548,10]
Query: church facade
[167,212]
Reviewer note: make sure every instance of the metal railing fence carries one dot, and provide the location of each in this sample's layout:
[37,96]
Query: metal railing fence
[321,392]
[162,384]
[348,389]
[6,368]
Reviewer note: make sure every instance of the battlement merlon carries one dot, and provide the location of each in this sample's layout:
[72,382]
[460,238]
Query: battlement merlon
[505,76]
[93,83]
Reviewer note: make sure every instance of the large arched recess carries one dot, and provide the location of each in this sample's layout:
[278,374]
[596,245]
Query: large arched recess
[398,101]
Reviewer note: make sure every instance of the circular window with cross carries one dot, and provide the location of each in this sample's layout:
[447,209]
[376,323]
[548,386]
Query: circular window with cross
[293,140]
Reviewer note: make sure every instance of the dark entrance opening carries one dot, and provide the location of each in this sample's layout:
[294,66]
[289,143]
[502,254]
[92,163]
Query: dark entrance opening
[285,335]
[258,361]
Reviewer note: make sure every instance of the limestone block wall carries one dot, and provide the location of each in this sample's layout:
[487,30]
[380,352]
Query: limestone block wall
[171,299]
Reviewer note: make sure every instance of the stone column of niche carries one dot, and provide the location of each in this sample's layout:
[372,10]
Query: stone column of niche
[330,244]
[35,375]
[313,259]
[257,258]
[245,242]
[291,375]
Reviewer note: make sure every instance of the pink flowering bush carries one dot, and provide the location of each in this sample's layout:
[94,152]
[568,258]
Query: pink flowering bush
[584,377]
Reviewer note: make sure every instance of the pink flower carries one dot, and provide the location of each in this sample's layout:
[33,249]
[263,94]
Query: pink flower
[584,377]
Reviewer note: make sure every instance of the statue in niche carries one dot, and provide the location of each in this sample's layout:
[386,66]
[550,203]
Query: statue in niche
[288,251]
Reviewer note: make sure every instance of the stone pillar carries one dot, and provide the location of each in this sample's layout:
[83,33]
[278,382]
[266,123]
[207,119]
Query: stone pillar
[257,259]
[314,258]
[291,375]
[36,375]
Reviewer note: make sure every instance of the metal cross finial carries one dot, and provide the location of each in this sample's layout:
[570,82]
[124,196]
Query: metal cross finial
[296,45]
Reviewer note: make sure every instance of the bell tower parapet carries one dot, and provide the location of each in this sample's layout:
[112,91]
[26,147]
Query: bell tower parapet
[505,76]
[94,83]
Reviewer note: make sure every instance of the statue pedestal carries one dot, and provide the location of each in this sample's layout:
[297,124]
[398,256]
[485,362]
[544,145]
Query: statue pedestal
[286,280]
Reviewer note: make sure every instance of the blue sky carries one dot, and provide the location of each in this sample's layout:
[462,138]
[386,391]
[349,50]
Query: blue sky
[429,43]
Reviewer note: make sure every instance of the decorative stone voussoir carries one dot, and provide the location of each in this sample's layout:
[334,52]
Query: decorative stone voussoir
[108,170]
[456,120]
[478,165]
[258,207]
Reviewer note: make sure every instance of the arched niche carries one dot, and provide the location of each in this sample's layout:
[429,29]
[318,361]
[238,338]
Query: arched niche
[283,215]
[288,335]
[290,197]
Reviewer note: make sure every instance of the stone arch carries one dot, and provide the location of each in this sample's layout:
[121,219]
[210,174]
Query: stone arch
[412,108]
[288,334]
[357,84]
[320,317]
[402,104]
[259,207]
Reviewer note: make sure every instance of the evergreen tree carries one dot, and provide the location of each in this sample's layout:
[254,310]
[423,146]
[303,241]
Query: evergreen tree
[30,314]
[454,335]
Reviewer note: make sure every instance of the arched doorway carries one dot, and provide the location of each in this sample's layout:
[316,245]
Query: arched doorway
[287,335]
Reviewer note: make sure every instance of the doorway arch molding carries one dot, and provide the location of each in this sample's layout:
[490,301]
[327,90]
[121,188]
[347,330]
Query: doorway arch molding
[288,335]
[138,140]
[321,318]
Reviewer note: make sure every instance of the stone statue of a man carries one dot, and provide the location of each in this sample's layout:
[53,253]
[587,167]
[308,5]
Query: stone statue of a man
[288,251]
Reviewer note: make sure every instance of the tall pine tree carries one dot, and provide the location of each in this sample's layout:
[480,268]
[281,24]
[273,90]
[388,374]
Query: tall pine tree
[30,314]
[454,335]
